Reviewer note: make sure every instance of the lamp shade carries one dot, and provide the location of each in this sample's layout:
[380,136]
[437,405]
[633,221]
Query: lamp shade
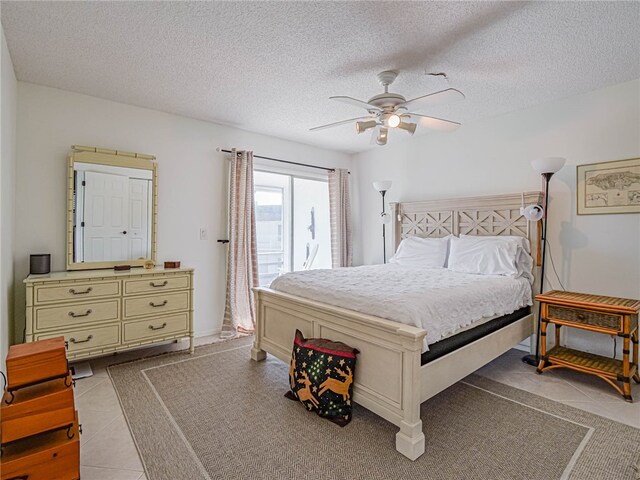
[364,126]
[409,127]
[382,136]
[533,213]
[548,164]
[382,186]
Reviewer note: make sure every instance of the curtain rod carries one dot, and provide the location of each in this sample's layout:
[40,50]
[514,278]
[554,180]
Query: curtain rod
[285,161]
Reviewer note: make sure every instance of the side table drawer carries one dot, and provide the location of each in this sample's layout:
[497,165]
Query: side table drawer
[586,317]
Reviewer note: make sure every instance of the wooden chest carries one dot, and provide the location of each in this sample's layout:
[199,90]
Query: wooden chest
[39,408]
[50,456]
[31,363]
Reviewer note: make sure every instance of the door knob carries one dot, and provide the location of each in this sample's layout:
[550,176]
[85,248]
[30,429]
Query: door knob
[124,232]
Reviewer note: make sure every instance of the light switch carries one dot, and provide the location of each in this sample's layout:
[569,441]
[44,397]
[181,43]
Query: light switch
[203,234]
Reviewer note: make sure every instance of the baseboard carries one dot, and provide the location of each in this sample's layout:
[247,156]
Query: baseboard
[207,333]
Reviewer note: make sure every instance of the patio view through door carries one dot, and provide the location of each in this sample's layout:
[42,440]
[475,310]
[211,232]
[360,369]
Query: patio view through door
[292,224]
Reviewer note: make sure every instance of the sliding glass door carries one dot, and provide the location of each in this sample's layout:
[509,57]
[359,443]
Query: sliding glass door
[292,222]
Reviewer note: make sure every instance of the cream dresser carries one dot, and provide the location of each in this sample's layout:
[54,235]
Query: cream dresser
[102,311]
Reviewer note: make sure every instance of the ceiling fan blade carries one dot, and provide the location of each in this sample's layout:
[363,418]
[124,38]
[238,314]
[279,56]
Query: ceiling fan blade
[438,98]
[435,123]
[335,124]
[356,102]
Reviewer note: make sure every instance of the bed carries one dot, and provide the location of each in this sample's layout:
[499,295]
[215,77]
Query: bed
[396,370]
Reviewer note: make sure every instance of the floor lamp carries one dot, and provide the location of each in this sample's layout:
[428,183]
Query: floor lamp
[382,187]
[545,167]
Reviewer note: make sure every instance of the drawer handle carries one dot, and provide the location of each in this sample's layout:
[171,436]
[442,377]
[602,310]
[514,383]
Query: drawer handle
[163,284]
[581,316]
[151,304]
[151,327]
[72,291]
[73,340]
[21,477]
[77,315]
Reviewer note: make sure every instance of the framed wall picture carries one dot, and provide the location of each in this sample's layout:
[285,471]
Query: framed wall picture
[609,187]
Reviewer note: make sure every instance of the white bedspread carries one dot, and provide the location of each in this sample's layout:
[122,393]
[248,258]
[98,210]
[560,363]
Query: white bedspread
[438,300]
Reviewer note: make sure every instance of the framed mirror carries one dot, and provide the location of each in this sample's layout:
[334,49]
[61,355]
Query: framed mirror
[112,200]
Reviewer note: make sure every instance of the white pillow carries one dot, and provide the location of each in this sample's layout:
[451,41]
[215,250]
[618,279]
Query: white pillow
[422,252]
[524,262]
[521,241]
[480,256]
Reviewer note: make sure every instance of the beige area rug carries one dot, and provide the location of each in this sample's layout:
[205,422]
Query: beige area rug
[218,415]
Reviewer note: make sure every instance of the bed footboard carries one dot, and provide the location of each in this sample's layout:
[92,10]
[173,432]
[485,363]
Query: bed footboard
[387,380]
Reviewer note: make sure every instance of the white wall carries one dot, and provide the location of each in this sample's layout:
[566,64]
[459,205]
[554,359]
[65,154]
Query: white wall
[192,181]
[8,87]
[592,253]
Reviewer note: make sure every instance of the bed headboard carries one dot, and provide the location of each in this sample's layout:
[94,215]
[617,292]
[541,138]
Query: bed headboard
[489,215]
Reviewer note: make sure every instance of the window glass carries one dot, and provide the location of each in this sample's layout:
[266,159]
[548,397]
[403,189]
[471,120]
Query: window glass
[292,223]
[311,229]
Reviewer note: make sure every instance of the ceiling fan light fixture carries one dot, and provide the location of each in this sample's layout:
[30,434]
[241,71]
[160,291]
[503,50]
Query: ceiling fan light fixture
[390,110]
[393,121]
[409,127]
[364,126]
[382,136]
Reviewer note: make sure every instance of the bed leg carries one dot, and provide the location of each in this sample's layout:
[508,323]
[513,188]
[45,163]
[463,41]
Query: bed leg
[257,355]
[410,440]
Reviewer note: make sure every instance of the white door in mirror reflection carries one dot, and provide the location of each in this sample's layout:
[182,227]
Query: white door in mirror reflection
[138,233]
[115,217]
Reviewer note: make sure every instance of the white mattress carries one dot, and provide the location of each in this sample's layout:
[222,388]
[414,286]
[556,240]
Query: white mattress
[438,300]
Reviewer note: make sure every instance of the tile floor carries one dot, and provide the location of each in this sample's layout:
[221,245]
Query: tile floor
[108,453]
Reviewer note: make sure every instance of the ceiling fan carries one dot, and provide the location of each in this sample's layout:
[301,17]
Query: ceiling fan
[391,110]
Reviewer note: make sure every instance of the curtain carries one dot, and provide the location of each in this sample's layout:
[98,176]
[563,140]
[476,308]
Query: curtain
[242,261]
[340,215]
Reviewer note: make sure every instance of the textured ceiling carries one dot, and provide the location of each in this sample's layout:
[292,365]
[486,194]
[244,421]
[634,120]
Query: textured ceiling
[270,67]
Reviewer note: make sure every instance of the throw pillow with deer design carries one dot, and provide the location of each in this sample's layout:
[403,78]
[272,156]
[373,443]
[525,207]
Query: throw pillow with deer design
[321,377]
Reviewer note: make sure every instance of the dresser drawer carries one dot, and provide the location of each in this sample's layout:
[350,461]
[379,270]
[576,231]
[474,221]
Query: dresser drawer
[156,327]
[156,284]
[85,339]
[586,317]
[156,304]
[76,291]
[76,314]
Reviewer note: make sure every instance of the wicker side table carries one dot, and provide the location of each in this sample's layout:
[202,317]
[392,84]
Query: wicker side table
[597,313]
